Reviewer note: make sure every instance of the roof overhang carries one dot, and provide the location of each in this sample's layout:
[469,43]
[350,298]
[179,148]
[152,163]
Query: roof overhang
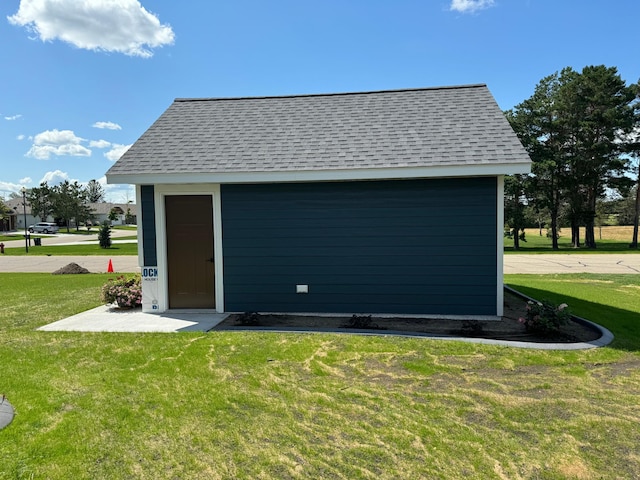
[397,173]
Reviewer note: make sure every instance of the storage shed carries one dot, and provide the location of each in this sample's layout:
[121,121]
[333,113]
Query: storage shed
[387,202]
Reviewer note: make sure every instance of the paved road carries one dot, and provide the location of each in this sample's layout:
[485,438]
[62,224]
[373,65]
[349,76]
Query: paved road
[514,263]
[95,264]
[572,263]
[48,264]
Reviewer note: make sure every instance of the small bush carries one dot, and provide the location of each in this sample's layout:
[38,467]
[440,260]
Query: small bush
[472,327]
[104,235]
[361,322]
[248,319]
[545,317]
[124,291]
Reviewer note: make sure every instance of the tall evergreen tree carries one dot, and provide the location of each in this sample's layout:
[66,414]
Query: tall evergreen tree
[538,123]
[596,106]
[569,127]
[95,192]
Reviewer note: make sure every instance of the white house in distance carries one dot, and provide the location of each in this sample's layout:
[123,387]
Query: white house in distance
[100,211]
[337,203]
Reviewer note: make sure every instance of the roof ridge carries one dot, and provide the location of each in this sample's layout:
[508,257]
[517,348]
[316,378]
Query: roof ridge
[335,94]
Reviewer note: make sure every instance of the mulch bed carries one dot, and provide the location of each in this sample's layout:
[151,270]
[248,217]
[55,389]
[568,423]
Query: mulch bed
[506,328]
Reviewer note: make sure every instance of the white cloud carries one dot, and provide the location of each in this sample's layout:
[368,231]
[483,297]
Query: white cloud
[99,144]
[57,137]
[107,125]
[57,142]
[9,187]
[54,178]
[20,137]
[116,151]
[470,6]
[12,117]
[122,26]
[118,193]
[25,181]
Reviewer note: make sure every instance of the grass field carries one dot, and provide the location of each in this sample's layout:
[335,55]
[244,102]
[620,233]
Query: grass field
[272,405]
[92,249]
[608,239]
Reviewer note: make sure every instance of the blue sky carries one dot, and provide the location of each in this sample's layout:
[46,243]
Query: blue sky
[81,81]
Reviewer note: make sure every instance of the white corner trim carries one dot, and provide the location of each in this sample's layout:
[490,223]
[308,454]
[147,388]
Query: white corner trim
[500,246]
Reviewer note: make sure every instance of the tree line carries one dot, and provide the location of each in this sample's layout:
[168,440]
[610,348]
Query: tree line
[582,132]
[66,201]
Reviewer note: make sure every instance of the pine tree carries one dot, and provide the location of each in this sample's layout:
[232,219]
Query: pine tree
[104,235]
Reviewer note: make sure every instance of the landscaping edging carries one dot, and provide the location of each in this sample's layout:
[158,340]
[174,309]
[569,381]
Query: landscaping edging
[606,337]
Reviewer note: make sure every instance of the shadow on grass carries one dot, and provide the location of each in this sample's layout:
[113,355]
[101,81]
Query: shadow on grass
[624,324]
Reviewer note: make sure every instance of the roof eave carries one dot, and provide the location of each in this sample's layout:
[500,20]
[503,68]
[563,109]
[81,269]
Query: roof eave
[321,175]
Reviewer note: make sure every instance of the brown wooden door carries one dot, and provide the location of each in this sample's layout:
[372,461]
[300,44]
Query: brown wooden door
[190,268]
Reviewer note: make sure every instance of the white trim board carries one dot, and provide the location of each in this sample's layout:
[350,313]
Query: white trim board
[162,191]
[394,173]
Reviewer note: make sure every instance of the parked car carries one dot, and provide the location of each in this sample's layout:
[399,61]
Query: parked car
[43,227]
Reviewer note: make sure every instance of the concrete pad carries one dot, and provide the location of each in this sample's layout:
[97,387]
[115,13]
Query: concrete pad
[111,319]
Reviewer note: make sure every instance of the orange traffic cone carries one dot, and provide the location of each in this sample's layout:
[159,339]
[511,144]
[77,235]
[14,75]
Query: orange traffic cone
[110,267]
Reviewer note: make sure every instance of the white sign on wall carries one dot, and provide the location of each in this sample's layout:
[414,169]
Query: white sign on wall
[150,289]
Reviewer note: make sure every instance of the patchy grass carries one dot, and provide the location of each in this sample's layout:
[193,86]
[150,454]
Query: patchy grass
[608,240]
[267,405]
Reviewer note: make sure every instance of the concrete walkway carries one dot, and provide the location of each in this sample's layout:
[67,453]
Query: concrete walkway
[110,319]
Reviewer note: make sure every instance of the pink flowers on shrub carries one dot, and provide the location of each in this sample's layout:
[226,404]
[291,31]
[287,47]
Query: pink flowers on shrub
[123,291]
[544,317]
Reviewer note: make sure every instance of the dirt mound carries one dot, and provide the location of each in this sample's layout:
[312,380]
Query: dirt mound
[72,268]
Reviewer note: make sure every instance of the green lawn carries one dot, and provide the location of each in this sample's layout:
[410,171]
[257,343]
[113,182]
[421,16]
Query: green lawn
[8,238]
[537,244]
[273,405]
[609,240]
[93,249]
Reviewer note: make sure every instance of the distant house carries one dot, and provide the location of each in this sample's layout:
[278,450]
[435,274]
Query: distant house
[376,202]
[100,211]
[126,213]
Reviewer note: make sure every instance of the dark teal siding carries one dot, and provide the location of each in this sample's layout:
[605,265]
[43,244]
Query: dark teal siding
[414,246]
[149,249]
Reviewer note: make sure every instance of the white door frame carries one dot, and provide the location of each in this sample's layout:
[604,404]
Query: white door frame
[160,192]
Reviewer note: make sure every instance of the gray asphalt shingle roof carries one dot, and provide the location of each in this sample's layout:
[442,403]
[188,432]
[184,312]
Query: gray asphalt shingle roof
[374,130]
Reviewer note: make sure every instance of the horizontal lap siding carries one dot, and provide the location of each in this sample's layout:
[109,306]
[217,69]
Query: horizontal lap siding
[148,214]
[415,246]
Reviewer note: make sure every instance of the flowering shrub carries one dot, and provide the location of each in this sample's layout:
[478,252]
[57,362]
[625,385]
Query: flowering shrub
[123,291]
[544,317]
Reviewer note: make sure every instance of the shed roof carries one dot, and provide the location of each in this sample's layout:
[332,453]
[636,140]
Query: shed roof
[382,134]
